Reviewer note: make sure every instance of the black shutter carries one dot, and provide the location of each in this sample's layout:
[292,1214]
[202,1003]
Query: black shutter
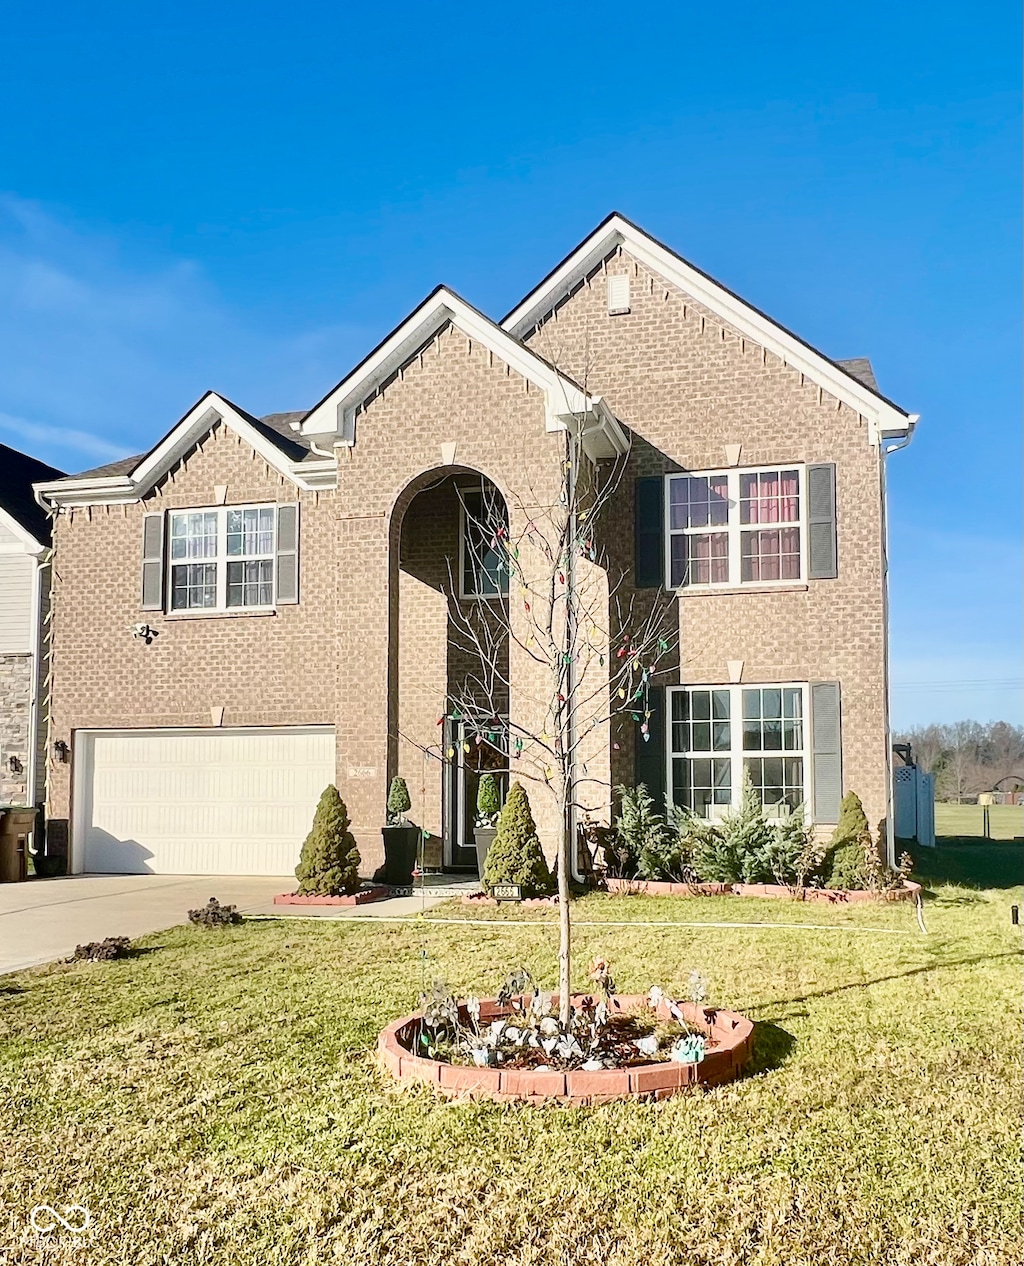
[153,562]
[821,522]
[287,589]
[826,751]
[649,758]
[649,533]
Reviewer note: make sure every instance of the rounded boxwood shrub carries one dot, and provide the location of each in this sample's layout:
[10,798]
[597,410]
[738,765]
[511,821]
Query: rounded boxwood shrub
[516,856]
[329,864]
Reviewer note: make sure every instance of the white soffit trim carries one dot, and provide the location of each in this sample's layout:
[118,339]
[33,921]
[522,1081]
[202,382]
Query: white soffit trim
[335,414]
[886,419]
[27,542]
[198,422]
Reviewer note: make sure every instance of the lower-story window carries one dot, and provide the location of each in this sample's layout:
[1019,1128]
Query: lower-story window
[718,733]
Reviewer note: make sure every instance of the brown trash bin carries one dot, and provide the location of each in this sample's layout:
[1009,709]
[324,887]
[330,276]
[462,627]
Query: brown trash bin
[16,825]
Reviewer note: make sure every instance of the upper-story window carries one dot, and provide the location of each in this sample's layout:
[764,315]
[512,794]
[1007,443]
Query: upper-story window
[484,564]
[736,527]
[222,558]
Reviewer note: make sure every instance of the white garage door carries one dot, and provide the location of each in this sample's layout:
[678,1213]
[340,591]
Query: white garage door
[197,802]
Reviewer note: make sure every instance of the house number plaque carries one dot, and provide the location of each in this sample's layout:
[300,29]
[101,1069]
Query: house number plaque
[507,892]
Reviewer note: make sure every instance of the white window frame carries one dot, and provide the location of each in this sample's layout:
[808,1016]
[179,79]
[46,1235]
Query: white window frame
[735,752]
[734,528]
[220,559]
[464,593]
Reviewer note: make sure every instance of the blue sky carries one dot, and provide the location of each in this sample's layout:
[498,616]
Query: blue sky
[246,197]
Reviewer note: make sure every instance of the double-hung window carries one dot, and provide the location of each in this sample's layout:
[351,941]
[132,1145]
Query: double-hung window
[222,558]
[736,527]
[484,561]
[718,733]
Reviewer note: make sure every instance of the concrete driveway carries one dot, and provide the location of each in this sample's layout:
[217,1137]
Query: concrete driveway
[44,919]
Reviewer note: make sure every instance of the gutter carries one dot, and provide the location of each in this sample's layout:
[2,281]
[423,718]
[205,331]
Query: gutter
[890,808]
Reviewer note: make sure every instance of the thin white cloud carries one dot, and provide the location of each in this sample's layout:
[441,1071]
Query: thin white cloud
[54,441]
[101,353]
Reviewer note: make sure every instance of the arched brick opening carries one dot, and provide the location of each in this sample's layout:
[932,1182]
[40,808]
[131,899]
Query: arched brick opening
[433,660]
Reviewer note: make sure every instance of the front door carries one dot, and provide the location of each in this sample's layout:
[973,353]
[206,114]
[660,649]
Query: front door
[474,755]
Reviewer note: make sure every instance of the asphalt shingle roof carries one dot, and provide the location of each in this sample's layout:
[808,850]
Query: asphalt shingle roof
[18,472]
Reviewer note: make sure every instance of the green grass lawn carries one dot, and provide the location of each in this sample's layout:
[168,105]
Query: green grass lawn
[965,821]
[214,1100]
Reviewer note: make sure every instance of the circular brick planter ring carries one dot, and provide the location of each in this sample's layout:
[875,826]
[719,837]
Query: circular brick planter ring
[729,1048]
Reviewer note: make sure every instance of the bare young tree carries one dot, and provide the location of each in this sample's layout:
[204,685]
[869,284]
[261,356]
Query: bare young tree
[593,649]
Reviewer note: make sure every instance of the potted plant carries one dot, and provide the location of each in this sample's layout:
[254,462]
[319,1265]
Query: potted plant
[488,806]
[401,837]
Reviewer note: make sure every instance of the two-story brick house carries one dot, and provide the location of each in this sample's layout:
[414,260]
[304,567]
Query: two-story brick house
[257,607]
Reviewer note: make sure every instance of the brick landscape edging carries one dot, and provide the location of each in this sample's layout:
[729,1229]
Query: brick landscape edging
[832,896]
[360,898]
[731,1041]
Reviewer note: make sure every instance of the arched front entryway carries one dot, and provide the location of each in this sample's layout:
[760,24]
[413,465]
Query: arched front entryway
[448,622]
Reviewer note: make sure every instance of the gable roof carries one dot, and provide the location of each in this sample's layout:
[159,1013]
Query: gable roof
[862,369]
[886,418]
[272,437]
[18,472]
[335,414]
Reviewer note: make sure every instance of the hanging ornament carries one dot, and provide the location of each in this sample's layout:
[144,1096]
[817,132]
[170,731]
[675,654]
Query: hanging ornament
[622,693]
[645,729]
[561,577]
[662,644]
[451,753]
[519,746]
[600,660]
[465,748]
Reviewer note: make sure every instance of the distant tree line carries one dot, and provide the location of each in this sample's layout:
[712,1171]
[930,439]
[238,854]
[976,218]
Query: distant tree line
[968,757]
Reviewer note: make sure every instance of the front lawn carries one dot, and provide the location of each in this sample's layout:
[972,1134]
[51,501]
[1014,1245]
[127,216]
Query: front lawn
[214,1099]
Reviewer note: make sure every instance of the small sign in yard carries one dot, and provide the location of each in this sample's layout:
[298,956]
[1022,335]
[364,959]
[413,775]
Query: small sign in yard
[507,892]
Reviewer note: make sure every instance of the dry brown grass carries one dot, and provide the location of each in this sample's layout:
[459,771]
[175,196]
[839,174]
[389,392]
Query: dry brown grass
[215,1100]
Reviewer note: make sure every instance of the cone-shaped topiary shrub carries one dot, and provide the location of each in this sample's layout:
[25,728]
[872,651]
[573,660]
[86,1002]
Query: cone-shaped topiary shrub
[516,856]
[329,865]
[488,801]
[844,864]
[399,803]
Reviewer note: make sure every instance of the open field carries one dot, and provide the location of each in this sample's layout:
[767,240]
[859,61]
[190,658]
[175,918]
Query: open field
[214,1100]
[966,820]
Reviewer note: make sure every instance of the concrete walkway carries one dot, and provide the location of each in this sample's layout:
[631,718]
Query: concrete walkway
[44,919]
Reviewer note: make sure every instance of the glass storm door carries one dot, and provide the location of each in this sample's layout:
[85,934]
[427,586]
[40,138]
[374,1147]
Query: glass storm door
[462,777]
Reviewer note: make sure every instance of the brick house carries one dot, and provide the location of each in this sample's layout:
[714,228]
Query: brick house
[258,606]
[24,628]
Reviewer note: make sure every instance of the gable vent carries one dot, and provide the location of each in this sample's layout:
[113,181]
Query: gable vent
[618,295]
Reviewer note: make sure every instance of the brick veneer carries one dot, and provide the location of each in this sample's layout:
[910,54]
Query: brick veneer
[364,648]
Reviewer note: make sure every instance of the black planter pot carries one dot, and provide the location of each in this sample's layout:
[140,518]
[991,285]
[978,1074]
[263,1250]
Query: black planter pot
[401,844]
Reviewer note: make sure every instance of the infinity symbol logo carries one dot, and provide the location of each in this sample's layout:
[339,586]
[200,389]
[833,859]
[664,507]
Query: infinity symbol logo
[40,1215]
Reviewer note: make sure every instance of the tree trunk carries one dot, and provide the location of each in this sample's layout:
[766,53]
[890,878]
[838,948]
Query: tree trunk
[564,930]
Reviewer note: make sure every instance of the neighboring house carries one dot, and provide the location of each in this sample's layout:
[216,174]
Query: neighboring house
[295,573]
[24,628]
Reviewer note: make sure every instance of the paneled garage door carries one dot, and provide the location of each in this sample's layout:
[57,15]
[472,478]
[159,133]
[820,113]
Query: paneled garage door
[197,802]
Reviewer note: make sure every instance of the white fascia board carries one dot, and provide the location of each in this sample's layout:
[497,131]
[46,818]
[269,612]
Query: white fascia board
[884,419]
[210,410]
[27,543]
[83,492]
[334,415]
[199,421]
[599,430]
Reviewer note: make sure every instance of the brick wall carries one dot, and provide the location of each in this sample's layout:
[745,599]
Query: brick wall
[687,387]
[367,647]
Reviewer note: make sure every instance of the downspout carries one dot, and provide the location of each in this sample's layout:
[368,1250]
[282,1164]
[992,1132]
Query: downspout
[39,564]
[890,807]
